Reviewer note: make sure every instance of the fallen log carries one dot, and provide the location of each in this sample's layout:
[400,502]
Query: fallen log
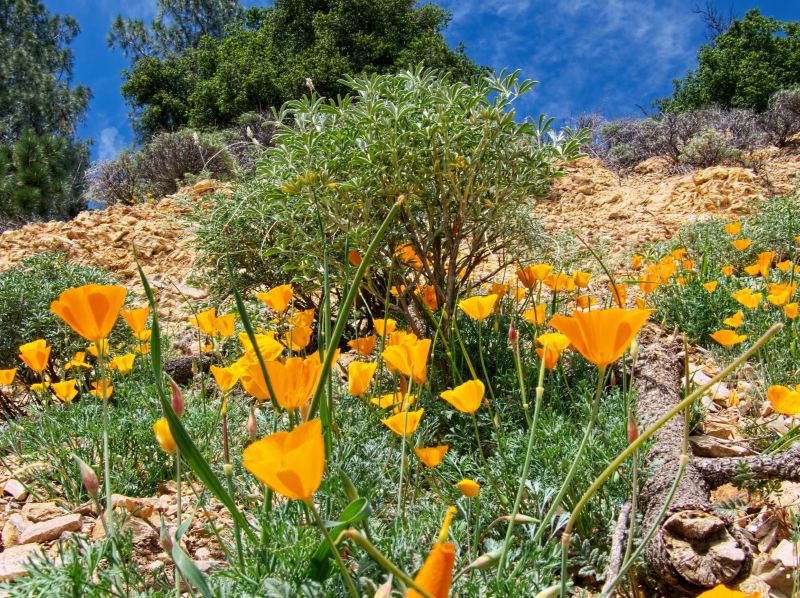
[694,548]
[781,466]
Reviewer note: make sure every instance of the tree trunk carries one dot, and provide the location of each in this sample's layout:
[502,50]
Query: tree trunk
[694,548]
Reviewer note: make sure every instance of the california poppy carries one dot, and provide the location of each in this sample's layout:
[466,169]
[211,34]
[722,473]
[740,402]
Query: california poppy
[143,336]
[384,327]
[535,272]
[224,325]
[405,422]
[205,321]
[554,343]
[791,310]
[636,261]
[411,360]
[303,318]
[559,282]
[277,298]
[436,574]
[784,266]
[102,389]
[428,294]
[123,363]
[710,286]
[478,307]
[601,335]
[360,377]
[90,310]
[727,270]
[747,298]
[136,318]
[585,301]
[733,228]
[649,283]
[226,378]
[735,320]
[678,254]
[293,381]
[432,456]
[537,314]
[297,338]
[728,338]
[35,354]
[364,345]
[722,592]
[741,244]
[290,463]
[408,256]
[784,400]
[619,294]
[78,361]
[499,289]
[164,435]
[100,346]
[354,258]
[7,376]
[469,488]
[581,278]
[65,391]
[466,397]
[268,346]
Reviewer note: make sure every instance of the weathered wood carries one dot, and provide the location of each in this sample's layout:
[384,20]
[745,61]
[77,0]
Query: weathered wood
[694,548]
[617,547]
[182,369]
[782,466]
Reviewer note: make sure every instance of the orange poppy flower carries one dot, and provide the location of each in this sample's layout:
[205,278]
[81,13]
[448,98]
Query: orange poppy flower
[142,349]
[429,297]
[529,275]
[205,321]
[164,435]
[678,254]
[649,283]
[536,315]
[735,320]
[297,338]
[401,337]
[784,266]
[727,270]
[636,261]
[398,401]
[477,307]
[384,327]
[7,376]
[277,298]
[688,264]
[78,361]
[408,256]
[469,488]
[466,397]
[733,228]
[90,310]
[791,310]
[226,378]
[364,345]
[722,592]
[65,391]
[601,335]
[747,298]
[143,336]
[359,377]
[39,387]
[103,348]
[123,363]
[405,422]
[555,343]
[784,400]
[436,574]
[268,346]
[35,354]
[581,278]
[136,318]
[101,387]
[293,381]
[619,294]
[741,244]
[519,293]
[224,325]
[585,301]
[432,456]
[411,360]
[728,338]
[560,282]
[641,303]
[501,290]
[710,286]
[290,463]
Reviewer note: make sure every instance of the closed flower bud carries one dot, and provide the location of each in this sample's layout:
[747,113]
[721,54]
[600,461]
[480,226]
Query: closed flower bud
[252,424]
[635,348]
[633,430]
[88,477]
[227,469]
[512,335]
[177,399]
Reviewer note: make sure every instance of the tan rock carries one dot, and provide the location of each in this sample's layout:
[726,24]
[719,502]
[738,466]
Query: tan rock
[709,446]
[16,489]
[40,511]
[12,560]
[12,528]
[44,531]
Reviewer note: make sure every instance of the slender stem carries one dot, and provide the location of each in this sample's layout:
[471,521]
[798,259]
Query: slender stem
[106,451]
[351,588]
[521,380]
[464,350]
[179,514]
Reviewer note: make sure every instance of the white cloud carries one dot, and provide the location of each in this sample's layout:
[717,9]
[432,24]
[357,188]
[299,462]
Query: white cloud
[110,144]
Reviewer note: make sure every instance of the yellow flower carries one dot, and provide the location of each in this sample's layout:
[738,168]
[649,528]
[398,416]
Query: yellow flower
[581,278]
[401,337]
[65,391]
[78,361]
[103,344]
[784,266]
[784,400]
[267,345]
[536,315]
[100,388]
[204,321]
[35,354]
[432,456]
[398,401]
[710,286]
[384,327]
[277,298]
[477,307]
[555,343]
[501,290]
[603,335]
[142,349]
[226,378]
[408,256]
[535,272]
[7,376]
[404,423]
[735,320]
[728,338]
[469,488]
[733,228]
[143,336]
[411,360]
[678,254]
[559,282]
[164,435]
[359,376]
[364,345]
[39,387]
[747,298]
[429,297]
[618,293]
[224,325]
[519,294]
[791,309]
[722,592]
[466,397]
[303,318]
[293,381]
[90,310]
[636,261]
[741,244]
[585,301]
[649,283]
[436,574]
[123,363]
[136,318]
[727,270]
[298,338]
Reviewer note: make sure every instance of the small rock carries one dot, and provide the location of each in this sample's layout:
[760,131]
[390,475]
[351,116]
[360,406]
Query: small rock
[139,507]
[787,554]
[708,446]
[153,566]
[41,511]
[206,566]
[202,554]
[16,489]
[44,531]
[12,529]
[192,292]
[12,560]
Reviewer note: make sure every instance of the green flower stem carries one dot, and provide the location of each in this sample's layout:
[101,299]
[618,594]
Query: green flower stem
[106,451]
[623,456]
[383,561]
[525,467]
[489,385]
[351,588]
[521,380]
[179,514]
[464,349]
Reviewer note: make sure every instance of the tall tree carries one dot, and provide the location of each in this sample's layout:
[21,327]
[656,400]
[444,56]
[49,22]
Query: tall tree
[41,161]
[742,67]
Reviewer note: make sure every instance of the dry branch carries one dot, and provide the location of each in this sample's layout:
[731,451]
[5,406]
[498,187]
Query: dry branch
[782,466]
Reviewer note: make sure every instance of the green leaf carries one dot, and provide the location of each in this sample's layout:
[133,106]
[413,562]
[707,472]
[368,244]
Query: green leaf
[321,562]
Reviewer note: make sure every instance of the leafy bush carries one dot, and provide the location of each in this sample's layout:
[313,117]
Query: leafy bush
[109,182]
[707,148]
[468,170]
[26,292]
[782,120]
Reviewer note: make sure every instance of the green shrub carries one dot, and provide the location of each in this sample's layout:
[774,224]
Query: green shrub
[26,292]
[468,170]
[708,148]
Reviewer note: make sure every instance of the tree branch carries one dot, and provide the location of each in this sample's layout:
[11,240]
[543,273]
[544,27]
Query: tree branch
[782,466]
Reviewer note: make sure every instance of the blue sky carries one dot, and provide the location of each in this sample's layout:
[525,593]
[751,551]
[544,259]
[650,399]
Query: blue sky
[602,56]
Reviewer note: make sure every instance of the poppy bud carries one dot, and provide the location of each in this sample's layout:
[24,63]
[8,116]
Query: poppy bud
[633,430]
[227,469]
[252,424]
[354,258]
[513,336]
[165,540]
[635,348]
[177,399]
[88,477]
